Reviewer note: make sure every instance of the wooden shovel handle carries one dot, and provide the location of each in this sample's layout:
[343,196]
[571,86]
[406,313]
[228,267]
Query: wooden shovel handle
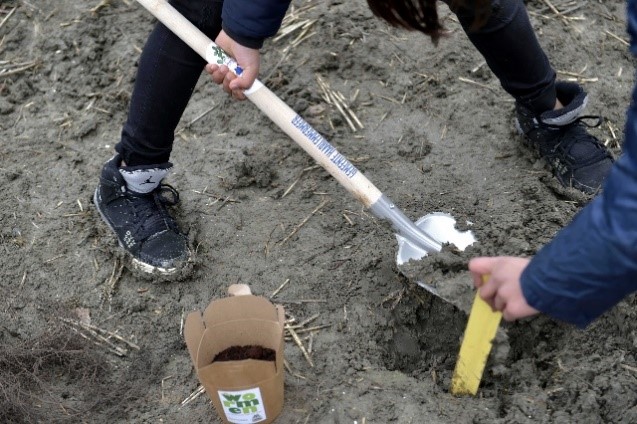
[280,113]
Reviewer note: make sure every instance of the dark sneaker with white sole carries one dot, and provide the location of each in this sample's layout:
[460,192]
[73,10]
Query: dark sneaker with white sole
[132,201]
[577,158]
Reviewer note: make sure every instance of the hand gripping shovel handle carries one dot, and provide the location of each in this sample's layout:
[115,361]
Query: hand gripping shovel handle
[296,127]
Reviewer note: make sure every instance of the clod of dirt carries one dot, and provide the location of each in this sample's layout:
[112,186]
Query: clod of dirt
[5,106]
[444,273]
[251,171]
[414,145]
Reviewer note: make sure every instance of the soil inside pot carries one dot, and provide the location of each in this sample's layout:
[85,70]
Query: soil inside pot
[239,353]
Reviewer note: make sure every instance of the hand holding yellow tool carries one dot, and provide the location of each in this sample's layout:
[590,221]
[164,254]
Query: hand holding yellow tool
[476,345]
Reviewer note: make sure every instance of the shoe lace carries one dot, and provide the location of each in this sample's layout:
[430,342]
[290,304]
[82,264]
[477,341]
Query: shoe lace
[151,212]
[573,134]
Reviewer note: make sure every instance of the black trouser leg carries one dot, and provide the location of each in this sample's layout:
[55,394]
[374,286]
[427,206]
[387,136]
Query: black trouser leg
[167,75]
[509,45]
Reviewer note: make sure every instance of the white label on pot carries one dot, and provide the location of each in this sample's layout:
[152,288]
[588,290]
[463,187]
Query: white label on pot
[243,406]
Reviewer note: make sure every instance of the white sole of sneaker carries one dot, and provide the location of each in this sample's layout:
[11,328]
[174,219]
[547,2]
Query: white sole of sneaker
[150,269]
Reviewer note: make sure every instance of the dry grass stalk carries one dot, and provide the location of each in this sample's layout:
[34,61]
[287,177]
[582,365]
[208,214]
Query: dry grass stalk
[6,18]
[115,350]
[470,81]
[553,8]
[217,198]
[225,201]
[562,13]
[348,219]
[293,330]
[71,215]
[13,69]
[306,321]
[274,293]
[618,38]
[298,227]
[71,22]
[111,283]
[288,28]
[302,301]
[53,258]
[194,395]
[289,189]
[337,99]
[629,368]
[613,142]
[100,337]
[577,77]
[382,118]
[162,385]
[303,35]
[114,336]
[396,296]
[612,131]
[200,116]
[294,21]
[310,343]
[299,343]
[349,111]
[389,99]
[291,371]
[473,71]
[102,4]
[312,330]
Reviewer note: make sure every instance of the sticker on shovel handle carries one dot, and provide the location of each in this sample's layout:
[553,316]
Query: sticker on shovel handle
[243,406]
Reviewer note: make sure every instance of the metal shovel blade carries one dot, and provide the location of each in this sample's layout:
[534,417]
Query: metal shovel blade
[439,226]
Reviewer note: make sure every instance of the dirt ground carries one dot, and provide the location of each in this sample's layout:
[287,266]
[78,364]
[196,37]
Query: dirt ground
[82,339]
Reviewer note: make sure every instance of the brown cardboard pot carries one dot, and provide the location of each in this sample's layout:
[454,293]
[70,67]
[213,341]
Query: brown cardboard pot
[246,391]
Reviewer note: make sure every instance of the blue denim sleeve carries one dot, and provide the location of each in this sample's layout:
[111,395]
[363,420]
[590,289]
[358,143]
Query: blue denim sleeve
[592,263]
[250,22]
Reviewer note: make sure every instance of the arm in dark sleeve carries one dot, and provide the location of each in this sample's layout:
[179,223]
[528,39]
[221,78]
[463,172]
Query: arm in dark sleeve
[592,263]
[250,22]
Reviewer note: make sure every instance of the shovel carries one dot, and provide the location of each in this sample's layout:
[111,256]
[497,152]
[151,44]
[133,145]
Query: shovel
[415,241]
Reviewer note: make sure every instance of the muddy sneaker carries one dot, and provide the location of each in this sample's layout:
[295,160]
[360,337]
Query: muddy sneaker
[577,158]
[133,203]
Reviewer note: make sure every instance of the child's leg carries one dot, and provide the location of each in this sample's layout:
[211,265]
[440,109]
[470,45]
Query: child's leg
[167,74]
[511,49]
[130,197]
[509,45]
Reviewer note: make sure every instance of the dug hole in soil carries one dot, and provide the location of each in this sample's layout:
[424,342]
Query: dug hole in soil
[83,339]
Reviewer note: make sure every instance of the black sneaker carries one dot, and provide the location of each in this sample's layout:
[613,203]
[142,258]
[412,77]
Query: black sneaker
[133,203]
[577,158]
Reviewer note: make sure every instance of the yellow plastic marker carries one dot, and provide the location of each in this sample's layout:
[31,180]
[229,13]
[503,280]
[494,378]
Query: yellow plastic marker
[478,339]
